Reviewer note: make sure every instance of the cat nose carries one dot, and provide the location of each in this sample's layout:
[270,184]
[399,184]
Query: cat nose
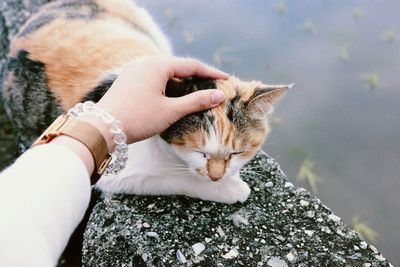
[215,168]
[214,177]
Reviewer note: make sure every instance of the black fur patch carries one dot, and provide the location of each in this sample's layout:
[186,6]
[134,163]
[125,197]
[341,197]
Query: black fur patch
[73,4]
[36,24]
[101,89]
[238,115]
[192,122]
[71,9]
[181,87]
[66,10]
[30,104]
[231,106]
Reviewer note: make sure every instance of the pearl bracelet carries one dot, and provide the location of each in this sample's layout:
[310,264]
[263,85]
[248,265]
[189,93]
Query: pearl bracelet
[120,154]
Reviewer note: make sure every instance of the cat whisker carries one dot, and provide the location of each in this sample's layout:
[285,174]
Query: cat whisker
[177,168]
[177,164]
[178,172]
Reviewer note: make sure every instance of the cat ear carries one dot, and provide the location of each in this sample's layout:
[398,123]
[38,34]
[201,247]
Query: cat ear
[261,102]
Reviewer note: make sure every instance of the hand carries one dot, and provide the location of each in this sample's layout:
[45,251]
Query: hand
[137,97]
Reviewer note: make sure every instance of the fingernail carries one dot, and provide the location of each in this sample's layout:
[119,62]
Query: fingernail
[226,75]
[217,97]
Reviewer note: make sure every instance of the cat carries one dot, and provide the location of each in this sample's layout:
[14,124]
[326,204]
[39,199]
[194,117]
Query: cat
[72,50]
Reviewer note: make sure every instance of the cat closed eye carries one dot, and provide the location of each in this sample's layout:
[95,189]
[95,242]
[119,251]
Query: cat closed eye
[201,153]
[234,154]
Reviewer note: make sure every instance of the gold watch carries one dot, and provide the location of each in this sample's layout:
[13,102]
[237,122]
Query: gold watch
[85,133]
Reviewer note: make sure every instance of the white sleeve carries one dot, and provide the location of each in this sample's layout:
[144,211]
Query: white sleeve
[43,197]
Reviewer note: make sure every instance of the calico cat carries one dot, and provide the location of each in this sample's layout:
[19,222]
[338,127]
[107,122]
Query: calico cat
[72,50]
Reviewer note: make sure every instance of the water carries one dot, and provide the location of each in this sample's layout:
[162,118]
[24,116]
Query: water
[343,113]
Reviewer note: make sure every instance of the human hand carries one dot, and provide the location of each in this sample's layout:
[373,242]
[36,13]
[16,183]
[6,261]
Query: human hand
[137,96]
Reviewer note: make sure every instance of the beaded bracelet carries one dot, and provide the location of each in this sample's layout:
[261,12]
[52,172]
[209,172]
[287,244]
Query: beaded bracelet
[120,154]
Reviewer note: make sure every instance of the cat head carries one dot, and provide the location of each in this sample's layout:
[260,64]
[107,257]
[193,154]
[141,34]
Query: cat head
[216,143]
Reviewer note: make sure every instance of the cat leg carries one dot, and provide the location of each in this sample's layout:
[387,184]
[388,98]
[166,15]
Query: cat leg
[229,190]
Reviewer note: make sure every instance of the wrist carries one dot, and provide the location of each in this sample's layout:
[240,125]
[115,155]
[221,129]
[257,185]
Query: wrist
[119,158]
[102,127]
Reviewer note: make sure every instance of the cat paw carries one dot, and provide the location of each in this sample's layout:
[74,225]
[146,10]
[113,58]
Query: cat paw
[233,191]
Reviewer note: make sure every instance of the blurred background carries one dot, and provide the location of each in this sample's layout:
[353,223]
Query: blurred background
[337,133]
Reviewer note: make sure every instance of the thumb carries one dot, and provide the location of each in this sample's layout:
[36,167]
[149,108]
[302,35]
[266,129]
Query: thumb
[198,101]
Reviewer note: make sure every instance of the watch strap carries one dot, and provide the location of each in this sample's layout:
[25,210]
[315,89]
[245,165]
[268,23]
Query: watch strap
[83,132]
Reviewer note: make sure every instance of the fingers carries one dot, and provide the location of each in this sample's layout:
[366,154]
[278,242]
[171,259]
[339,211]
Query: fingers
[186,67]
[197,101]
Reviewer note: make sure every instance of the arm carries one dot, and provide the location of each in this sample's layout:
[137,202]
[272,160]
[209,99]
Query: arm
[43,197]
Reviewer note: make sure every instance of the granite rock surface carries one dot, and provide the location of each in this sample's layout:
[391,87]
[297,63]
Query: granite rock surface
[279,225]
[13,13]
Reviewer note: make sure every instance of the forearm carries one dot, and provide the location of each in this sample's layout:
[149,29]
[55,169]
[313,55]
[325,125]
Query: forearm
[43,197]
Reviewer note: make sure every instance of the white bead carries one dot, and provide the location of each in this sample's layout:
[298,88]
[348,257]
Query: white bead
[120,138]
[121,148]
[73,112]
[107,117]
[88,106]
[97,112]
[116,126]
[123,158]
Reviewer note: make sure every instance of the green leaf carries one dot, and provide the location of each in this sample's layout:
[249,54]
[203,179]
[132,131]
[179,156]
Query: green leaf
[389,36]
[363,229]
[281,8]
[343,53]
[358,14]
[309,26]
[306,174]
[372,80]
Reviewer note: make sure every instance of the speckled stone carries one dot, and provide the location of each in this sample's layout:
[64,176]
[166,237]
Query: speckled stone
[273,227]
[13,13]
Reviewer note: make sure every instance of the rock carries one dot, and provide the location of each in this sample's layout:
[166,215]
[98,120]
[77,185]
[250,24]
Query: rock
[13,13]
[254,233]
[152,234]
[292,255]
[363,245]
[303,203]
[310,214]
[238,219]
[180,257]
[198,248]
[269,184]
[334,218]
[233,253]
[309,232]
[276,262]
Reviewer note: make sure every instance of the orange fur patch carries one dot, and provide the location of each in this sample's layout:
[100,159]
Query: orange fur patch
[79,53]
[193,140]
